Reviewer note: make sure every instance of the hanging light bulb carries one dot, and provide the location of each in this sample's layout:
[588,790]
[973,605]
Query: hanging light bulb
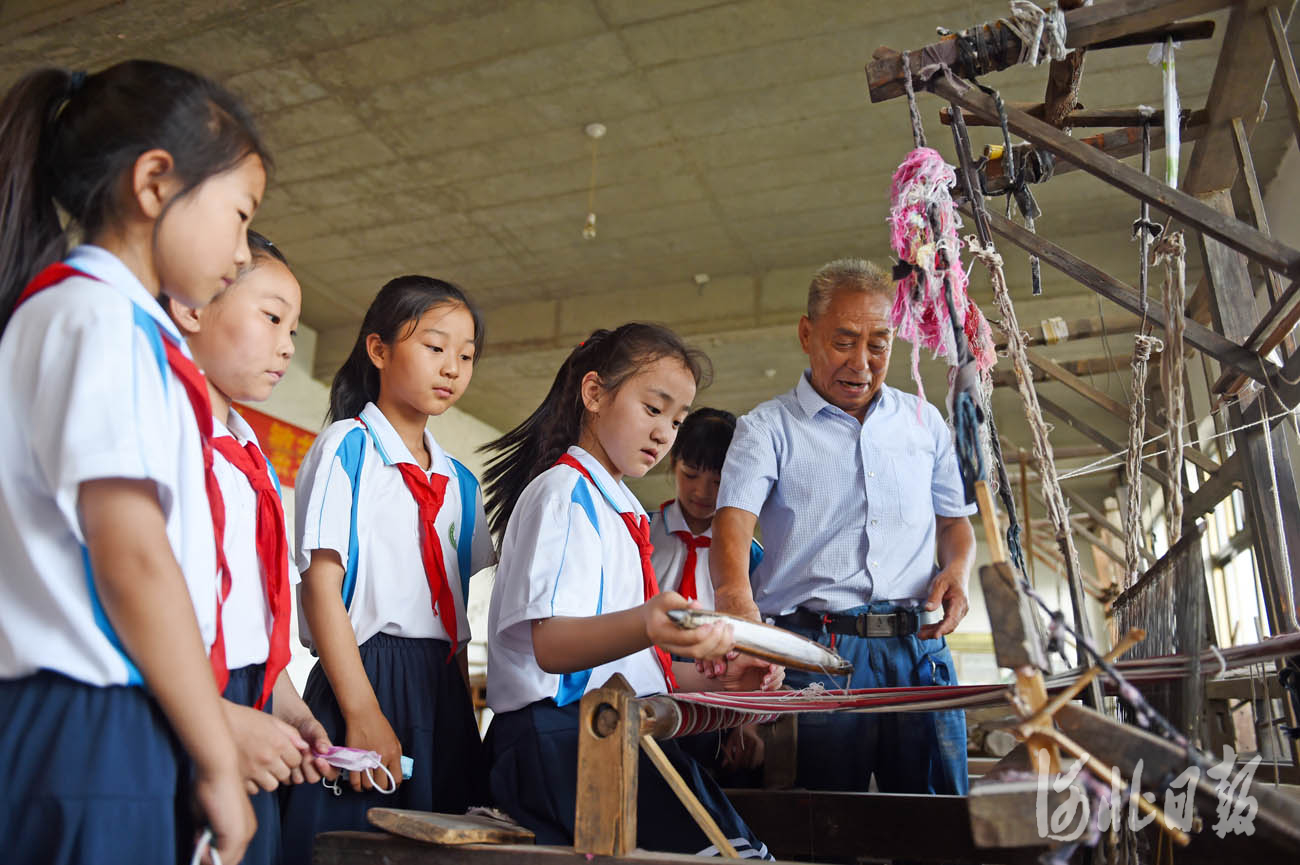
[595,131]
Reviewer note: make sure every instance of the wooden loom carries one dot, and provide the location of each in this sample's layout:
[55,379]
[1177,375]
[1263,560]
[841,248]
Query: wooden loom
[841,825]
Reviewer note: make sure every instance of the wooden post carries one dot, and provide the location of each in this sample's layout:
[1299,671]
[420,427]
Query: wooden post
[1232,303]
[609,727]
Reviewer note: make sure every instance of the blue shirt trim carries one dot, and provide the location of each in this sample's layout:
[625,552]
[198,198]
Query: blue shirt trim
[133,676]
[468,485]
[351,455]
[574,685]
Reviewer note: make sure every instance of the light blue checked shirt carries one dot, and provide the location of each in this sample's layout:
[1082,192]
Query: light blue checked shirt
[847,510]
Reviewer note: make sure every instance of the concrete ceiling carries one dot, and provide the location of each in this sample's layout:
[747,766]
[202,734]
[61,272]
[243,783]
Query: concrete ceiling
[447,138]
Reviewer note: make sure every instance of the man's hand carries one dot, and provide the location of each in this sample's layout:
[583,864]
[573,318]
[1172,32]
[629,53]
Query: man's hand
[947,589]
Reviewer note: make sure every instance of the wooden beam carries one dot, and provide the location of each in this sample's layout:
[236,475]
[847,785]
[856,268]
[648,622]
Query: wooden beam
[1118,143]
[1111,19]
[1079,328]
[1083,367]
[1197,335]
[1083,118]
[1110,404]
[1232,304]
[1097,435]
[1179,31]
[1286,62]
[1219,486]
[1221,226]
[1240,79]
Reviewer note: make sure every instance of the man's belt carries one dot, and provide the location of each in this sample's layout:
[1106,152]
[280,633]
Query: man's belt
[899,623]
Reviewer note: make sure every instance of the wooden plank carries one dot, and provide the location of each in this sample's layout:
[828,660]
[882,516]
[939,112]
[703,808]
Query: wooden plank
[1232,305]
[1217,488]
[1083,118]
[821,825]
[1181,31]
[609,724]
[1276,823]
[1286,63]
[369,848]
[1240,79]
[1110,404]
[1111,19]
[1221,226]
[1087,366]
[1197,335]
[844,827]
[1079,328]
[453,829]
[1097,435]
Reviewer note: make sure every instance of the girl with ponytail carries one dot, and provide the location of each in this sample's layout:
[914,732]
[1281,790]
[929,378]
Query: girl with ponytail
[390,529]
[107,501]
[575,599]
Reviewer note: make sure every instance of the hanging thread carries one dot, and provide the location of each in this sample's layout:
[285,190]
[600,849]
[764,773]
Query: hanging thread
[1143,345]
[1172,253]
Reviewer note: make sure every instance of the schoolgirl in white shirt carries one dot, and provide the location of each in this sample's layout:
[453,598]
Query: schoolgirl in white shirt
[681,532]
[104,507]
[390,529]
[244,342]
[575,598]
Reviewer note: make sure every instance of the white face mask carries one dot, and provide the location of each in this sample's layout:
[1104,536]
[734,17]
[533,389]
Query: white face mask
[357,760]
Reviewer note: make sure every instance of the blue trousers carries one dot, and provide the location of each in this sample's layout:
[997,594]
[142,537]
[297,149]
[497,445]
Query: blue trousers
[908,752]
[92,774]
[534,777]
[424,698]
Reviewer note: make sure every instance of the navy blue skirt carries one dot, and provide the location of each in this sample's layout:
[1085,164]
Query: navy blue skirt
[91,774]
[534,778]
[425,700]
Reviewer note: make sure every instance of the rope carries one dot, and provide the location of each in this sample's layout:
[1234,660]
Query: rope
[918,129]
[1041,31]
[1057,510]
[1143,344]
[1171,251]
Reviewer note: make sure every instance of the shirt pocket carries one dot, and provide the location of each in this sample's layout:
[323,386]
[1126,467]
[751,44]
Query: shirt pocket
[910,468]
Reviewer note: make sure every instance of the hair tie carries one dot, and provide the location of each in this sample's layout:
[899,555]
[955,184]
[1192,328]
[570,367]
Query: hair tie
[76,81]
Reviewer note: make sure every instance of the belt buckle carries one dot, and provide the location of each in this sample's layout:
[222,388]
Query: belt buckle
[906,622]
[862,624]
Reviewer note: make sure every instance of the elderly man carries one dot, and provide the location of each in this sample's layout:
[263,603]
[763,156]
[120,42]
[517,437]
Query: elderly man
[857,491]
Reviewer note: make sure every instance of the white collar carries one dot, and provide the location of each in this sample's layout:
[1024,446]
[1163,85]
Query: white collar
[615,492]
[675,521]
[109,269]
[236,427]
[393,450]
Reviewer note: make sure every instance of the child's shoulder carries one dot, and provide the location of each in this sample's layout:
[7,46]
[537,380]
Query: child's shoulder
[77,301]
[347,432]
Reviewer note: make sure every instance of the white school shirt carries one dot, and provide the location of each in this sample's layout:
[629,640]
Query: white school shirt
[351,499]
[245,617]
[566,552]
[87,395]
[670,553]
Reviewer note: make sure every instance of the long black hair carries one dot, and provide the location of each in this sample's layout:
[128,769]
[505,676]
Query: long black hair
[391,315]
[67,138]
[532,447]
[703,439]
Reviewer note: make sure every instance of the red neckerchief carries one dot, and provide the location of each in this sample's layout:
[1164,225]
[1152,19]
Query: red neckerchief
[272,552]
[687,588]
[640,532]
[428,493]
[196,388]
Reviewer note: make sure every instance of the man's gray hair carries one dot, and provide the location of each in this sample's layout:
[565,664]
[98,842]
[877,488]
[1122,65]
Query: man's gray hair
[846,274]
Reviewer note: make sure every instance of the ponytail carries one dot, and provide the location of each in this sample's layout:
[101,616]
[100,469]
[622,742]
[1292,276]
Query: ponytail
[67,139]
[532,447]
[397,307]
[31,237]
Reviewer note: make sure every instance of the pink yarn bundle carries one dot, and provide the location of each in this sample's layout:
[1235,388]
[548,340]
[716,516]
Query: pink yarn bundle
[920,313]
